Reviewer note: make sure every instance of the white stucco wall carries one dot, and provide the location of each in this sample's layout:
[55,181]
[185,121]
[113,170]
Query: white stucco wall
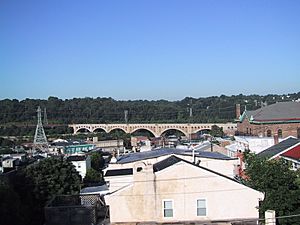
[118,182]
[82,166]
[184,184]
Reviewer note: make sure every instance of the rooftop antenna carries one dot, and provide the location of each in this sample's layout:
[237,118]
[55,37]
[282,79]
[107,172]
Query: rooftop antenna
[40,140]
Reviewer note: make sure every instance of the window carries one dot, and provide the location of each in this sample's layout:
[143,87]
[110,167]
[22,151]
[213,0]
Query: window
[298,132]
[279,133]
[201,207]
[269,133]
[168,208]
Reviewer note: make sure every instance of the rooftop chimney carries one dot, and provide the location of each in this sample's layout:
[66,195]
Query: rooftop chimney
[237,111]
[276,139]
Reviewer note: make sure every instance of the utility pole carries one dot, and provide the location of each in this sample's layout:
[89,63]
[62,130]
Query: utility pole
[126,116]
[45,117]
[40,140]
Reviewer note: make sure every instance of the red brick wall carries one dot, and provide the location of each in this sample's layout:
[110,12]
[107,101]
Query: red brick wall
[289,129]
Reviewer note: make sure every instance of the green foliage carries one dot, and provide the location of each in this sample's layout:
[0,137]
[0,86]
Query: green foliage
[97,161]
[92,176]
[19,117]
[52,177]
[216,131]
[6,142]
[279,184]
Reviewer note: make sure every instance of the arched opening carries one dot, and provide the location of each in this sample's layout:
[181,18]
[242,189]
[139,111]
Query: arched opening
[173,132]
[172,137]
[100,133]
[83,131]
[200,134]
[143,132]
[269,133]
[141,140]
[99,130]
[279,133]
[117,132]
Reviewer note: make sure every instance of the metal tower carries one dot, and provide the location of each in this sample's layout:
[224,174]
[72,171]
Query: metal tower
[40,140]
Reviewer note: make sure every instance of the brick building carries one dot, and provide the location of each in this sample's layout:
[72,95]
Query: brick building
[281,119]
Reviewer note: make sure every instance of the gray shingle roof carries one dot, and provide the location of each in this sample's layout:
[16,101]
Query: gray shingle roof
[133,157]
[277,111]
[118,172]
[174,159]
[281,146]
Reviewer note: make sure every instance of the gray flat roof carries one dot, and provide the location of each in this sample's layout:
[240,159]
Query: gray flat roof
[133,157]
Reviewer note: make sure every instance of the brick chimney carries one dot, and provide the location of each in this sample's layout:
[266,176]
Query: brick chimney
[237,111]
[276,139]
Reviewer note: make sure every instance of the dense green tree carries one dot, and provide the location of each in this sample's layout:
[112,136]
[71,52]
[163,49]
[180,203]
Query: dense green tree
[216,131]
[97,161]
[52,177]
[279,184]
[6,142]
[92,176]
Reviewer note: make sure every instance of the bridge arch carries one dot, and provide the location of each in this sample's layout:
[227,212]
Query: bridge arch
[97,129]
[117,128]
[144,128]
[171,128]
[201,130]
[83,130]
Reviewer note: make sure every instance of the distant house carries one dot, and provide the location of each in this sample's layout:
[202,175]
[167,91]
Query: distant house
[8,164]
[175,190]
[281,119]
[78,149]
[120,174]
[81,162]
[288,149]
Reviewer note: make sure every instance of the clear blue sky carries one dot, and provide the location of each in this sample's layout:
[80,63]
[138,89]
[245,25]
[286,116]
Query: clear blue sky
[148,49]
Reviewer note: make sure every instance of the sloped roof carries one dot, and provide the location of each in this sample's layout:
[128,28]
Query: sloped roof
[133,157]
[165,163]
[170,161]
[279,111]
[293,153]
[76,158]
[280,147]
[118,172]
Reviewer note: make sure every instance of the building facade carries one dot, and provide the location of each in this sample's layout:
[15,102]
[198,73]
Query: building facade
[177,191]
[281,120]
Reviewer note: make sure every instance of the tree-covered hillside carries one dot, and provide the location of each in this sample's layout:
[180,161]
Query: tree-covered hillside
[108,110]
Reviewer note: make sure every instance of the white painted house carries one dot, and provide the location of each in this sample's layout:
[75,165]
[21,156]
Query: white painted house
[81,162]
[176,190]
[120,173]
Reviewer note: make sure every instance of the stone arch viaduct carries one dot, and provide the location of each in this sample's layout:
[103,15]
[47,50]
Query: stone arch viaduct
[156,129]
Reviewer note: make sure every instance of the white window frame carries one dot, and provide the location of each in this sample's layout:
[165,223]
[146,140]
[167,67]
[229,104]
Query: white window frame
[163,208]
[201,208]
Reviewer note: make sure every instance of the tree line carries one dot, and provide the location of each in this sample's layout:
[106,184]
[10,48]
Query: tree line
[107,110]
[18,116]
